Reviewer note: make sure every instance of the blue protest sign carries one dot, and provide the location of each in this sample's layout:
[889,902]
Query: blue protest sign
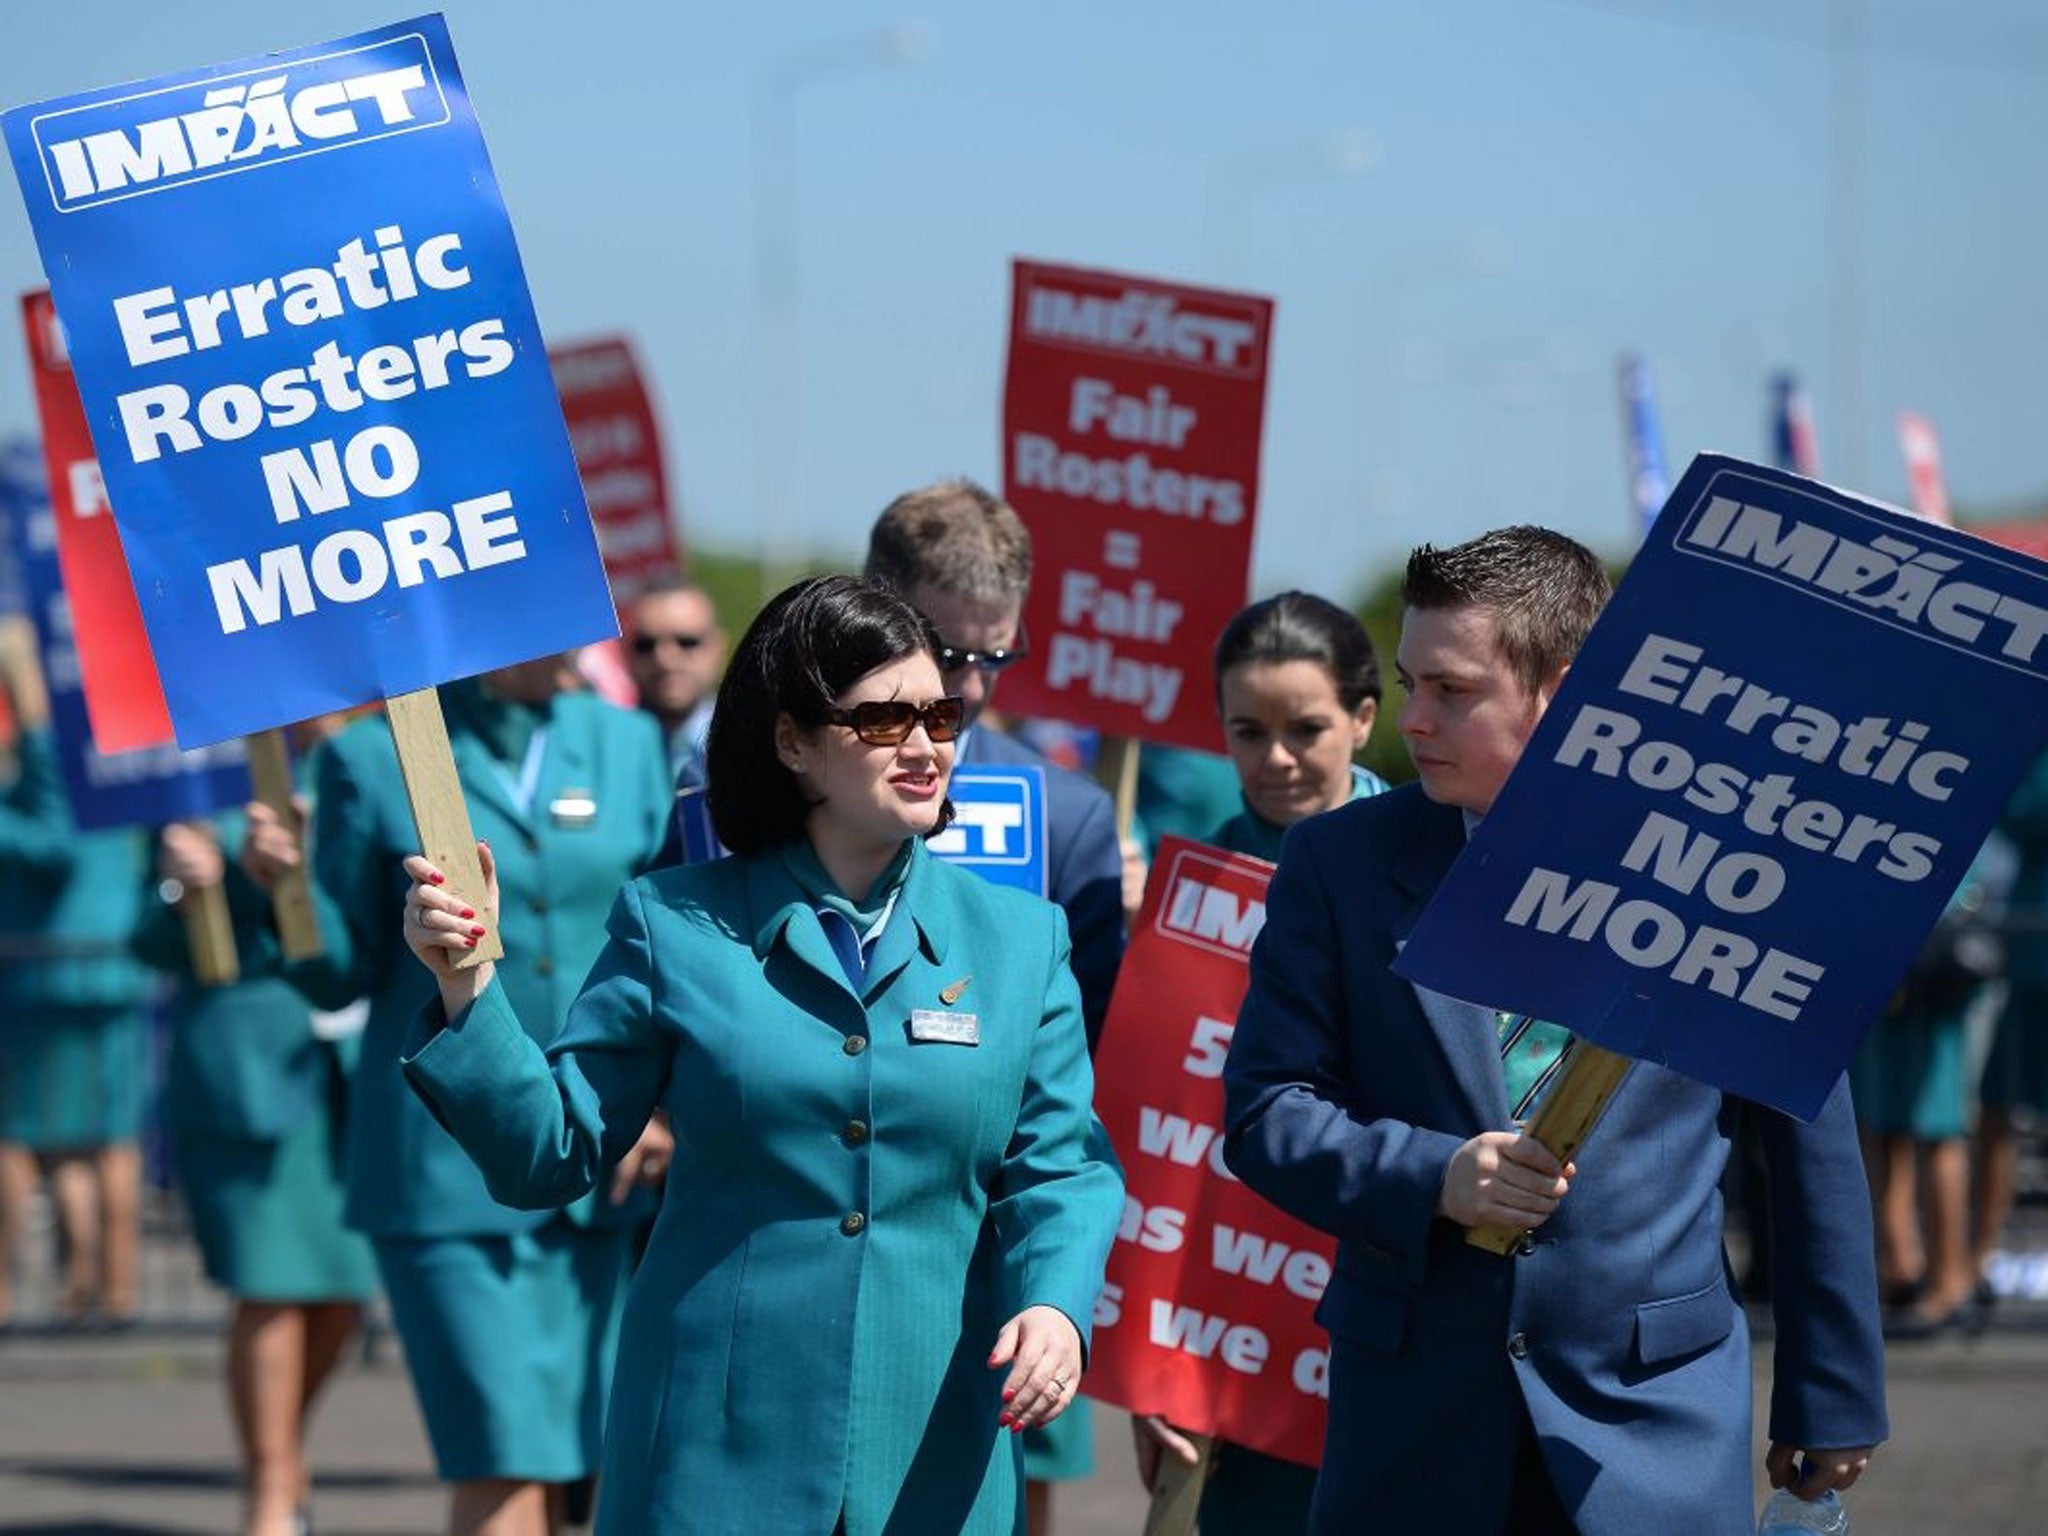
[146,787]
[998,828]
[1765,773]
[318,393]
[691,837]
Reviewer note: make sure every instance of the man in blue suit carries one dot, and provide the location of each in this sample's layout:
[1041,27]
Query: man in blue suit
[962,558]
[1598,1380]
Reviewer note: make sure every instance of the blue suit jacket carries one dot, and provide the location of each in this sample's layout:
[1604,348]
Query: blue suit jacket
[1347,1092]
[1084,868]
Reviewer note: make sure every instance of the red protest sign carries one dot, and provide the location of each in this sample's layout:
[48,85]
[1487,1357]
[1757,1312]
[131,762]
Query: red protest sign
[618,458]
[1207,1316]
[1131,450]
[123,699]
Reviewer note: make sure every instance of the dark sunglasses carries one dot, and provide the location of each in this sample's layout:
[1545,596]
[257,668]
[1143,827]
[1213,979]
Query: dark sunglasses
[952,658]
[889,722]
[647,645]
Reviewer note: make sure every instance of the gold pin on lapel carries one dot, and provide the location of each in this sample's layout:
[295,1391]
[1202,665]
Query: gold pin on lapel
[951,994]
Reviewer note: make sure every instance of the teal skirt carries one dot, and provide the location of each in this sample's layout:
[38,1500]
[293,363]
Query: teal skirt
[72,1079]
[1064,1450]
[1907,1079]
[510,1342]
[267,1214]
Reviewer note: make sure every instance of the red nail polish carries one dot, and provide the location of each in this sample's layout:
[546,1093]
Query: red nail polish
[1004,1420]
[468,912]
[477,932]
[437,879]
[469,943]
[1008,1395]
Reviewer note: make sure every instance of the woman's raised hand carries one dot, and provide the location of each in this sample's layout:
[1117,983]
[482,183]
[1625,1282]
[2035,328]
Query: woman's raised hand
[1042,1348]
[441,928]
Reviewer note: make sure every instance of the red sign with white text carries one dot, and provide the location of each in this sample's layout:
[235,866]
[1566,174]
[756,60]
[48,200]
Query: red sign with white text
[1131,420]
[1207,1315]
[123,699]
[618,458]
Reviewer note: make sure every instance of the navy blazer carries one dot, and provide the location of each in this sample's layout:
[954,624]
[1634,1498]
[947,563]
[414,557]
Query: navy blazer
[1084,867]
[1347,1091]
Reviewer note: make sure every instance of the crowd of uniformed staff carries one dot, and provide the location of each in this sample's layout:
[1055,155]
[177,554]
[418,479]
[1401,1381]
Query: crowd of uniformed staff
[765,1193]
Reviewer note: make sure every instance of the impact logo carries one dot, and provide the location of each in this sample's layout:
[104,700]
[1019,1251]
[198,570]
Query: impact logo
[1922,584]
[158,141]
[998,825]
[1140,322]
[1208,908]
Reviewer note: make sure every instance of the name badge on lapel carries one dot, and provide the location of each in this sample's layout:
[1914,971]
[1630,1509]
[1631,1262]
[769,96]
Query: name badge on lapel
[931,1026]
[573,808]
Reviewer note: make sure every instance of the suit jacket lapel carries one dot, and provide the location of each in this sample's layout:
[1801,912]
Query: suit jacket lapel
[482,779]
[1465,1031]
[564,765]
[916,926]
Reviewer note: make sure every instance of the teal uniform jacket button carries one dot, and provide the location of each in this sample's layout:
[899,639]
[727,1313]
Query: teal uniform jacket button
[855,1133]
[855,1044]
[853,1223]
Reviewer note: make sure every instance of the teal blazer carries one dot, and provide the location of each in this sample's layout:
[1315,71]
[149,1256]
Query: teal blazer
[596,817]
[853,1211]
[69,900]
[243,1061]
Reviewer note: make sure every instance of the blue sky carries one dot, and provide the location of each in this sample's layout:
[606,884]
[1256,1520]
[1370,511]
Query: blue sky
[1554,181]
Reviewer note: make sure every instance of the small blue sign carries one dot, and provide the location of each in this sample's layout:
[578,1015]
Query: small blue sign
[1767,769]
[146,788]
[316,386]
[691,837]
[998,828]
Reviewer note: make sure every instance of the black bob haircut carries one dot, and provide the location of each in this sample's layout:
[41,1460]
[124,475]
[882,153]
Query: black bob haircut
[1299,626]
[807,647]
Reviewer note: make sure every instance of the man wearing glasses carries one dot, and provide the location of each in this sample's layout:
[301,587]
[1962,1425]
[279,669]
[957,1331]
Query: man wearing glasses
[963,559]
[675,651]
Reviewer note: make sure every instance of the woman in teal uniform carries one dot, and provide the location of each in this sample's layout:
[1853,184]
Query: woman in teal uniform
[73,1036]
[885,1225]
[509,1318]
[1298,687]
[254,1101]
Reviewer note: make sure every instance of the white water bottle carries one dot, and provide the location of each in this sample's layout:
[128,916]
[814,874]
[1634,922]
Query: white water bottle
[1787,1514]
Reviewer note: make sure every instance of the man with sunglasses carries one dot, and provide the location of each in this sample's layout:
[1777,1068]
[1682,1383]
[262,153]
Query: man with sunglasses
[963,559]
[675,652]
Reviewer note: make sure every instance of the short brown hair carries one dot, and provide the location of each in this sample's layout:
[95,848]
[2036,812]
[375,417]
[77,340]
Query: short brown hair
[956,537]
[1545,589]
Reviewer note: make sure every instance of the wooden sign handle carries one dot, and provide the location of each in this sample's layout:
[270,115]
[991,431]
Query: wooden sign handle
[1116,769]
[439,813]
[291,897]
[210,935]
[1177,1490]
[1564,1120]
